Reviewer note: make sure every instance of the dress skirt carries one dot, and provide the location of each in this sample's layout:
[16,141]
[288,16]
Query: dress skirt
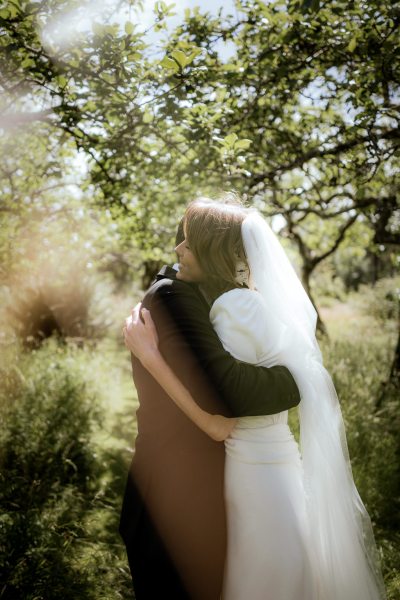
[268,555]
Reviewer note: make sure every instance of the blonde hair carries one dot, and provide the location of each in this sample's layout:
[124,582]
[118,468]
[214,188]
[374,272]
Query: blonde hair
[213,232]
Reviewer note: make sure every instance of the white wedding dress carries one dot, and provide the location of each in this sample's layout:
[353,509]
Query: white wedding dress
[268,555]
[297,527]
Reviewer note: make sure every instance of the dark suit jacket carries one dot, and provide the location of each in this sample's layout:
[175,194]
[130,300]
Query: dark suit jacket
[177,469]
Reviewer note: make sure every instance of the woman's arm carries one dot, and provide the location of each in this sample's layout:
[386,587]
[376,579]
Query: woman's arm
[142,340]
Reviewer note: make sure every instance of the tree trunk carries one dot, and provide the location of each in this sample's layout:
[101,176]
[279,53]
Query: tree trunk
[306,272]
[394,376]
[375,268]
[308,265]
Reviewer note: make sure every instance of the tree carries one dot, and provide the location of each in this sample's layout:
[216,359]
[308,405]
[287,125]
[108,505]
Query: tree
[301,116]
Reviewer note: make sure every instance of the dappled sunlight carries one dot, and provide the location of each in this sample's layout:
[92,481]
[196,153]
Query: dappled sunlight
[114,115]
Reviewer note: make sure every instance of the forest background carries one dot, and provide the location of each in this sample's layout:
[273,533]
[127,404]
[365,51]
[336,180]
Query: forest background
[114,114]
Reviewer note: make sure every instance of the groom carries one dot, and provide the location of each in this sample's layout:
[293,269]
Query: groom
[173,516]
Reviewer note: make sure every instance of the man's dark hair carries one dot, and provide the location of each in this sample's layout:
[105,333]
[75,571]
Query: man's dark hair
[180,235]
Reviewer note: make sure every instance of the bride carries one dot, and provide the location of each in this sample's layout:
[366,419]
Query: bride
[297,527]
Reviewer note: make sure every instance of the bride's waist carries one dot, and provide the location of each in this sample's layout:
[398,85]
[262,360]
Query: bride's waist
[274,443]
[262,421]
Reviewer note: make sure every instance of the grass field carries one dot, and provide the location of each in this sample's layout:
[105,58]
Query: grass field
[68,429]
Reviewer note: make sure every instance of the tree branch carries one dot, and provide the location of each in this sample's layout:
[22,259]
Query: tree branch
[317,152]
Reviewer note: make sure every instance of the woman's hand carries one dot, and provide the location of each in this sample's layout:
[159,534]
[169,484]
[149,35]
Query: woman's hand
[219,427]
[141,335]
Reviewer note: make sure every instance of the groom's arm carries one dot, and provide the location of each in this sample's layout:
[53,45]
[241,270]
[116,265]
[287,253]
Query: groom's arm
[245,389]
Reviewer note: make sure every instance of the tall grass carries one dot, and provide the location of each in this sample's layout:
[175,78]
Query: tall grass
[67,429]
[358,354]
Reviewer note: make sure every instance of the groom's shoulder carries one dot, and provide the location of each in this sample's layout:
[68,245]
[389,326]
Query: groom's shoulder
[167,287]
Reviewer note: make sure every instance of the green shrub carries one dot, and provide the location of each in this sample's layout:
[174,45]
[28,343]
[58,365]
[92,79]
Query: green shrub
[381,301]
[58,524]
[327,287]
[47,465]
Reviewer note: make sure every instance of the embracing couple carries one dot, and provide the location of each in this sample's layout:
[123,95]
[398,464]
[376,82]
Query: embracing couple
[220,503]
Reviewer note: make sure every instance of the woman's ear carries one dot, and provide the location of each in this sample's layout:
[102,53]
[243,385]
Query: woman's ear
[242,273]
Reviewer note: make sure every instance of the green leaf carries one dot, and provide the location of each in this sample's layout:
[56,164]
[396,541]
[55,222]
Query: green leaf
[352,44]
[230,67]
[221,94]
[243,144]
[160,7]
[147,116]
[191,154]
[27,62]
[62,81]
[180,58]
[13,11]
[129,27]
[111,29]
[230,139]
[90,106]
[310,6]
[168,63]
[4,14]
[195,52]
[108,77]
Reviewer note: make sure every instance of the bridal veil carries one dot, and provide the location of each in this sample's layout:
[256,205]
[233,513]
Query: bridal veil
[343,547]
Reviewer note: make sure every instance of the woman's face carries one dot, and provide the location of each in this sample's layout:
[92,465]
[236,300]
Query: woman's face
[189,268]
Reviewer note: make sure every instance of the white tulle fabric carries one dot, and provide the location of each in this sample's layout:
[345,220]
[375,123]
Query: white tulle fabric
[342,542]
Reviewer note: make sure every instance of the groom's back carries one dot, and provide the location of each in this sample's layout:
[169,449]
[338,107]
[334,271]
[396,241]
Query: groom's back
[177,469]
